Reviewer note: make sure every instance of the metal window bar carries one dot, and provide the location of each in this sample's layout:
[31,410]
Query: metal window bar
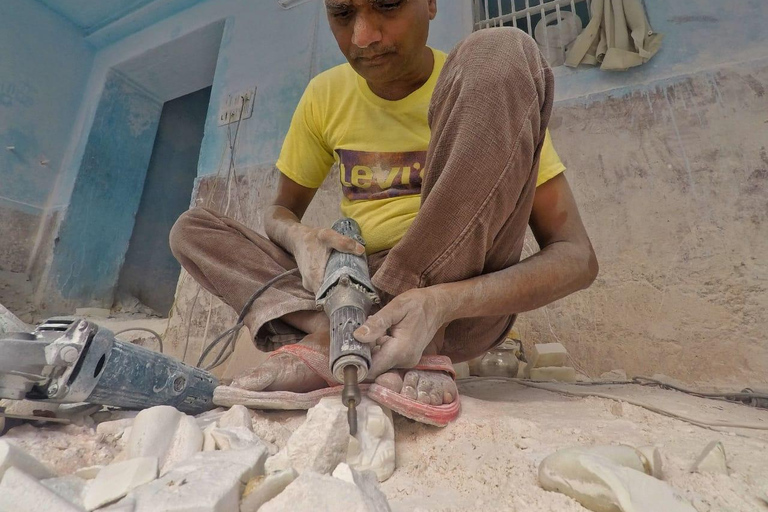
[527,13]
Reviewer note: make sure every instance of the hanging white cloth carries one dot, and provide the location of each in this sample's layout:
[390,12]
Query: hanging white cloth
[617,37]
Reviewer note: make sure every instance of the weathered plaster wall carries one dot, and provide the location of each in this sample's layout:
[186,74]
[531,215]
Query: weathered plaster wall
[44,64]
[672,182]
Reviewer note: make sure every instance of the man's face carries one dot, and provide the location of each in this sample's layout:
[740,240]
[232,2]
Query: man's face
[382,39]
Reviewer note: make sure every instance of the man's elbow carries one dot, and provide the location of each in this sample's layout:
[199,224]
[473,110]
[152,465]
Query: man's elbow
[590,266]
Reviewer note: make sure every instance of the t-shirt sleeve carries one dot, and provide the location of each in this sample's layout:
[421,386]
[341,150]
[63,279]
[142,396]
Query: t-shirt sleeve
[550,164]
[305,157]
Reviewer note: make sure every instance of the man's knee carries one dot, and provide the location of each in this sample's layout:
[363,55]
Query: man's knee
[488,51]
[181,234]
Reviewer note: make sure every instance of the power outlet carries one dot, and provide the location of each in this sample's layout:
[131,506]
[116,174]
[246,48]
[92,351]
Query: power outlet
[236,107]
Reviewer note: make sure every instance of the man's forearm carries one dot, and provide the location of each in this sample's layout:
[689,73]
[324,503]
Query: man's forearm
[556,271]
[282,226]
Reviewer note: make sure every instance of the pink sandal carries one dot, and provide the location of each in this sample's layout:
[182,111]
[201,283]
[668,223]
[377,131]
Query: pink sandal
[439,415]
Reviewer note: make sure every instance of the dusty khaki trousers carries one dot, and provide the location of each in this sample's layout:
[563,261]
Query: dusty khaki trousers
[488,117]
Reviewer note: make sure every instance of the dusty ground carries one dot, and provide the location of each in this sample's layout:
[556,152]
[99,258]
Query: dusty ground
[488,458]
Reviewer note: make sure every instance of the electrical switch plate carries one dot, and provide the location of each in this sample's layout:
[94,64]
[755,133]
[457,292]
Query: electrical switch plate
[236,107]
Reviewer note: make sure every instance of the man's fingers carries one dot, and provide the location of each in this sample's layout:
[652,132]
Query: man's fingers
[385,359]
[373,329]
[340,242]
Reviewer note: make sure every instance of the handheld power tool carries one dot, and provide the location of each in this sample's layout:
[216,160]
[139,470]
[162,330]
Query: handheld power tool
[72,360]
[347,296]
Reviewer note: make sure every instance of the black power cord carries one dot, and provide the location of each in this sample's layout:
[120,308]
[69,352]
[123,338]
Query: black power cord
[229,337]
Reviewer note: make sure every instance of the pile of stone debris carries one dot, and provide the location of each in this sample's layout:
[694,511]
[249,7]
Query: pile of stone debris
[216,462]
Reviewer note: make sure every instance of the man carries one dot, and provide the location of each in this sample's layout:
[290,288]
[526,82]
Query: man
[439,160]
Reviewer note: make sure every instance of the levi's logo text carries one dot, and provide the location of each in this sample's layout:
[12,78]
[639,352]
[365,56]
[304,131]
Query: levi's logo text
[367,175]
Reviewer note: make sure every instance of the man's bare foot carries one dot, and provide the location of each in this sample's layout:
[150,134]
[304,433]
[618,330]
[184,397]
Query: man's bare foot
[426,386]
[286,372]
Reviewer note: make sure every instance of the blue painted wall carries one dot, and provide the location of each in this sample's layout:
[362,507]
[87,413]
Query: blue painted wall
[86,263]
[44,66]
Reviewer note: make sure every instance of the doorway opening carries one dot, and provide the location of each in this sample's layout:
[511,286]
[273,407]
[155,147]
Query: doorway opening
[150,272]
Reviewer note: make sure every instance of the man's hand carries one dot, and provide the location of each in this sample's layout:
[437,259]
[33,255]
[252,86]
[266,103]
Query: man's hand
[402,330]
[309,246]
[312,246]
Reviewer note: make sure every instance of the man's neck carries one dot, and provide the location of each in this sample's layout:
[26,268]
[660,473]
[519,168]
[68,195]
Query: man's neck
[409,82]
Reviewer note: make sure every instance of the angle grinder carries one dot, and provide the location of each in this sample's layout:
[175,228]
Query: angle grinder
[347,296]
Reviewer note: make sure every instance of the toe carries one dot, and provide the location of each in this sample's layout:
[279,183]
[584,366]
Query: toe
[390,380]
[449,389]
[258,378]
[410,383]
[425,388]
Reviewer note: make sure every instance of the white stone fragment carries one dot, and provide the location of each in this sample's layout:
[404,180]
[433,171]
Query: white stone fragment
[71,488]
[462,370]
[207,482]
[548,354]
[711,460]
[321,442]
[165,433]
[187,441]
[366,481]
[115,481]
[654,459]
[20,492]
[547,373]
[263,488]
[234,438]
[209,443]
[236,416]
[604,486]
[89,472]
[114,428]
[373,447]
[622,455]
[13,456]
[211,417]
[313,492]
[277,463]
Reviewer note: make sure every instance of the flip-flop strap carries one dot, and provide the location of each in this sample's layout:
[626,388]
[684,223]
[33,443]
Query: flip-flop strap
[436,363]
[314,359]
[318,362]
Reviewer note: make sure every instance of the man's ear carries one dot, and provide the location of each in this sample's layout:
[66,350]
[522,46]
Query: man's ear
[432,9]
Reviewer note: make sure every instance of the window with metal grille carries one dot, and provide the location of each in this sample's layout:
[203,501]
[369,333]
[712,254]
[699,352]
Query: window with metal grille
[563,20]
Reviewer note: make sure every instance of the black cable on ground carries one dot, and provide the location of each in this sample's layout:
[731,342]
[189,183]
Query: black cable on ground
[230,335]
[150,331]
[560,387]
[646,381]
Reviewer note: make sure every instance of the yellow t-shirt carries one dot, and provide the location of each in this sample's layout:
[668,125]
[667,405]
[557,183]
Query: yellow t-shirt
[380,146]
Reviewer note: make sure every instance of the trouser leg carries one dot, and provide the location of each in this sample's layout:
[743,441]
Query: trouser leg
[232,261]
[488,117]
